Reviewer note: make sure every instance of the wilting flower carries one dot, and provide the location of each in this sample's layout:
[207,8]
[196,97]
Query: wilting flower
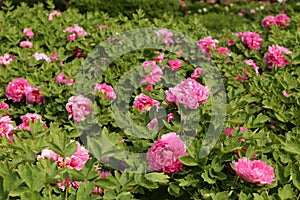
[189,93]
[26,44]
[40,56]
[274,56]
[154,76]
[143,102]
[29,117]
[6,59]
[28,33]
[52,14]
[254,171]
[17,89]
[105,89]
[163,155]
[205,43]
[6,128]
[33,96]
[60,78]
[175,64]
[79,107]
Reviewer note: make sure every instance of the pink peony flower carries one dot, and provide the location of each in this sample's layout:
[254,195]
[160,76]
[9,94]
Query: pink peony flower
[154,76]
[40,56]
[196,73]
[33,96]
[54,13]
[28,33]
[6,59]
[189,93]
[252,64]
[143,102]
[6,128]
[267,21]
[72,37]
[274,56]
[78,107]
[204,43]
[252,40]
[4,106]
[224,51]
[170,117]
[281,20]
[159,58]
[26,44]
[106,89]
[29,117]
[175,64]
[76,31]
[254,171]
[168,36]
[163,155]
[60,78]
[17,89]
[285,94]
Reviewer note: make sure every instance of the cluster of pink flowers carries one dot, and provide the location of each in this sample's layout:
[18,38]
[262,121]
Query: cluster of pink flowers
[79,107]
[76,31]
[163,155]
[175,64]
[154,76]
[189,93]
[28,33]
[60,78]
[143,102]
[279,20]
[7,128]
[41,56]
[76,161]
[54,13]
[251,39]
[205,43]
[252,64]
[274,56]
[105,89]
[255,171]
[167,36]
[6,59]
[30,117]
[19,88]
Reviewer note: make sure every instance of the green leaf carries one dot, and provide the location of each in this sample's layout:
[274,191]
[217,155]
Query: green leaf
[157,177]
[286,192]
[188,161]
[206,177]
[175,190]
[31,196]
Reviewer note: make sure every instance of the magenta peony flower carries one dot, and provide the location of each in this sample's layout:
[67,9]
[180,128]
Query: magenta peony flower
[40,56]
[168,36]
[52,14]
[252,64]
[281,20]
[189,93]
[4,106]
[6,128]
[143,102]
[28,33]
[204,43]
[163,155]
[252,40]
[30,117]
[105,89]
[54,56]
[6,59]
[175,64]
[33,96]
[267,21]
[17,89]
[79,107]
[254,171]
[60,78]
[274,56]
[26,44]
[224,51]
[196,73]
[154,76]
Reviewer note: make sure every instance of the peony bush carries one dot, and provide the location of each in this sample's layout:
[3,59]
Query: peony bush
[151,102]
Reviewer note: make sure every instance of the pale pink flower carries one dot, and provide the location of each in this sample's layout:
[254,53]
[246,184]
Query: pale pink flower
[154,76]
[159,58]
[252,40]
[254,171]
[28,33]
[26,44]
[189,93]
[105,89]
[7,128]
[40,56]
[196,73]
[32,117]
[60,78]
[175,64]
[179,53]
[6,59]
[168,36]
[285,94]
[143,102]
[101,26]
[205,43]
[17,89]
[154,122]
[76,31]
[252,11]
[240,14]
[163,155]
[79,107]
[54,13]
[281,20]
[267,21]
[252,64]
[170,117]
[274,56]
[33,96]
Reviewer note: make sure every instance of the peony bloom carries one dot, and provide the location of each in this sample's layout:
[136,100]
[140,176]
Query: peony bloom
[79,107]
[26,44]
[4,106]
[159,58]
[17,89]
[189,93]
[267,21]
[163,155]
[99,190]
[33,96]
[274,56]
[281,20]
[224,51]
[254,171]
[196,73]
[40,56]
[205,43]
[175,64]
[143,102]
[60,78]
[76,31]
[168,36]
[29,117]
[252,40]
[154,76]
[52,14]
[6,59]
[105,89]
[252,64]
[28,33]
[6,128]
